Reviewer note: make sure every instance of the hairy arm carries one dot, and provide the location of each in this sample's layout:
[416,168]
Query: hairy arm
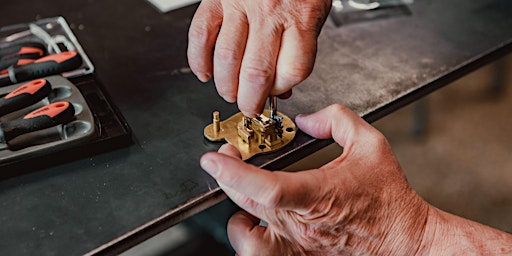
[358,204]
[448,234]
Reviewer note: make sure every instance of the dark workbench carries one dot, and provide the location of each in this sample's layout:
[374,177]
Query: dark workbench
[109,202]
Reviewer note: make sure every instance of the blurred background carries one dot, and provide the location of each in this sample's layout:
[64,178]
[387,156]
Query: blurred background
[455,147]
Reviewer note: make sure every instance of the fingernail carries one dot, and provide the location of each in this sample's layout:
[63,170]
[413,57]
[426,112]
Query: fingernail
[299,116]
[203,77]
[285,95]
[210,166]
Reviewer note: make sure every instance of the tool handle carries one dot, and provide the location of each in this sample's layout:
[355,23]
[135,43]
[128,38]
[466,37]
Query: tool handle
[4,80]
[25,95]
[4,64]
[50,65]
[54,114]
[26,50]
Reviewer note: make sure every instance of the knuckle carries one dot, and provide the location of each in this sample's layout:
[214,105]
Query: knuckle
[258,74]
[198,34]
[195,46]
[338,109]
[274,196]
[378,140]
[312,18]
[270,6]
[227,55]
[227,177]
[379,137]
[295,74]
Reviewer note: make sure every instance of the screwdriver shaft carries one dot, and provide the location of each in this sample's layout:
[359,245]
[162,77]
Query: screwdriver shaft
[272,105]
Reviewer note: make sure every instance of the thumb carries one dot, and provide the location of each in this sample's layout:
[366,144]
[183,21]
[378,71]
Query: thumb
[253,188]
[337,122]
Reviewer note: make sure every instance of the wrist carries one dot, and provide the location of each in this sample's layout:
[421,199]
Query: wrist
[448,234]
[407,232]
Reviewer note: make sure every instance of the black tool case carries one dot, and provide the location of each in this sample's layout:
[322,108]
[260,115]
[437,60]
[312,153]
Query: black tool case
[98,126]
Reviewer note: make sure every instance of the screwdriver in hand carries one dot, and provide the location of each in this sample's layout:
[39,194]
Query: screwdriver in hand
[49,65]
[51,115]
[25,95]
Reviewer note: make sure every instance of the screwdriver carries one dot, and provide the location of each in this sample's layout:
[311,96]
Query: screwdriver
[49,65]
[272,105]
[20,54]
[25,95]
[61,112]
[23,51]
[5,64]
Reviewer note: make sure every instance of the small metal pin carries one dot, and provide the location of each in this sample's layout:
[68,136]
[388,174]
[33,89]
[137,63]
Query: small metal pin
[216,123]
[272,105]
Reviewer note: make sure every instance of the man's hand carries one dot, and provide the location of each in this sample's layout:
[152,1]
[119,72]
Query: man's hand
[255,48]
[360,203]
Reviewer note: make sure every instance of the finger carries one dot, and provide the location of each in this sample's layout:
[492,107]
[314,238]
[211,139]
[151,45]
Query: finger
[230,150]
[229,50]
[237,175]
[257,72]
[202,37]
[296,59]
[285,95]
[255,189]
[240,199]
[244,232]
[335,121]
[244,202]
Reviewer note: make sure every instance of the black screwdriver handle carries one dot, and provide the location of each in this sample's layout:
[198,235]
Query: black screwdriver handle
[5,64]
[54,114]
[50,65]
[28,50]
[25,95]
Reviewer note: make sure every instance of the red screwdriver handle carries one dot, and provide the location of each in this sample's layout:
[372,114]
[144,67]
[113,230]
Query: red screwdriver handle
[51,115]
[4,64]
[49,65]
[25,95]
[23,51]
[58,58]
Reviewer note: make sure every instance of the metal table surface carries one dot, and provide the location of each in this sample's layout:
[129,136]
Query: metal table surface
[111,201]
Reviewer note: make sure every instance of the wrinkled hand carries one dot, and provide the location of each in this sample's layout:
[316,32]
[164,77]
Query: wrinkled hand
[255,48]
[360,203]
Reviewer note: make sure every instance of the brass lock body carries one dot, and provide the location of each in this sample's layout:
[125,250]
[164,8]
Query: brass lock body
[252,136]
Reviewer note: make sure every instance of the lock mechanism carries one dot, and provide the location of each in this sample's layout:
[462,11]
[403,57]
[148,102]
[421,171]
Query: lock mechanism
[265,133]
